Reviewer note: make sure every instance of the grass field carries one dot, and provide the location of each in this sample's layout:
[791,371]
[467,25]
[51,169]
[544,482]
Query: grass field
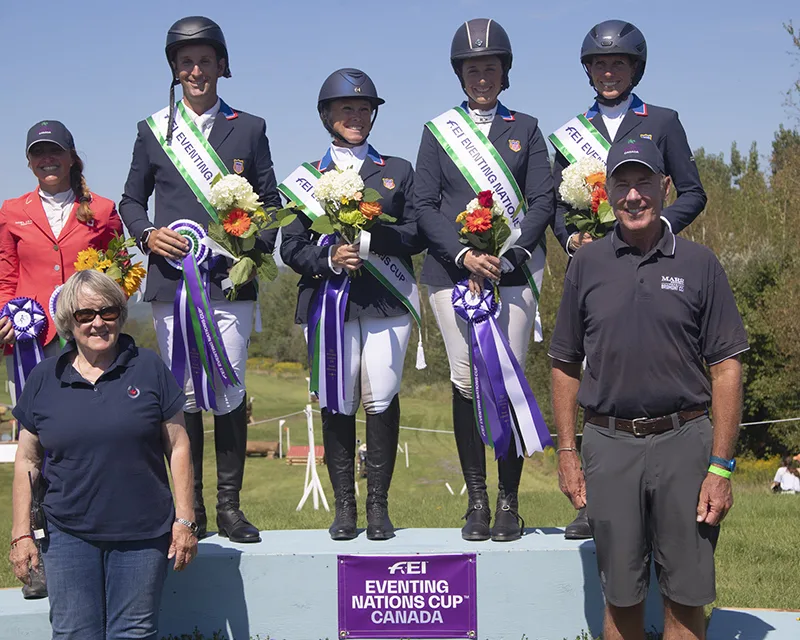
[757,557]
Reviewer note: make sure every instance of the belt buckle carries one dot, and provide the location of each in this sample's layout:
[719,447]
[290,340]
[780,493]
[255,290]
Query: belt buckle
[634,425]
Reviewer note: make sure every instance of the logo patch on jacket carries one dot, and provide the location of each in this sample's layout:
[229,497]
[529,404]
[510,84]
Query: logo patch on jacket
[133,392]
[388,183]
[646,136]
[672,283]
[238,166]
[514,145]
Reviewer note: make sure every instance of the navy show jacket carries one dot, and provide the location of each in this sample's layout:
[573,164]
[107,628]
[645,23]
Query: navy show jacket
[240,141]
[393,178]
[441,193]
[663,127]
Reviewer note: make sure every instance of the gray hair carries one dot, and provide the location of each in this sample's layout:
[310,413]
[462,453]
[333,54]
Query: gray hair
[87,282]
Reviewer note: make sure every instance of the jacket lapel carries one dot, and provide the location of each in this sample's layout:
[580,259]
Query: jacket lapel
[598,123]
[628,123]
[33,208]
[220,131]
[503,119]
[72,222]
[373,163]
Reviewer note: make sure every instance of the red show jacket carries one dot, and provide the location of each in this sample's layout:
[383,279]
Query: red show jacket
[33,262]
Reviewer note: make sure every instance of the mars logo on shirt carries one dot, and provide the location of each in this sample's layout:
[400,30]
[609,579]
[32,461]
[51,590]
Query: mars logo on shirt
[672,283]
[133,392]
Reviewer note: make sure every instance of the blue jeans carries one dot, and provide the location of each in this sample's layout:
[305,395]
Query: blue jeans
[104,590]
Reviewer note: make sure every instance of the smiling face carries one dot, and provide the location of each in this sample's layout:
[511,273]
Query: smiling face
[351,118]
[97,336]
[483,80]
[198,69]
[611,75]
[50,164]
[637,195]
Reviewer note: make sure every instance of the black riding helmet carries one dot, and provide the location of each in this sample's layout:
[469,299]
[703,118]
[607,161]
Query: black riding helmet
[615,37]
[346,83]
[481,37]
[192,30]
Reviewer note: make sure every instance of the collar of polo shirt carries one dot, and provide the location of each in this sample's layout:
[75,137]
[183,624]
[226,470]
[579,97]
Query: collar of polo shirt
[666,244]
[67,374]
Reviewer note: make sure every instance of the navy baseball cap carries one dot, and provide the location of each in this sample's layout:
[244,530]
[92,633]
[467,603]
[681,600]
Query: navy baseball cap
[643,151]
[50,131]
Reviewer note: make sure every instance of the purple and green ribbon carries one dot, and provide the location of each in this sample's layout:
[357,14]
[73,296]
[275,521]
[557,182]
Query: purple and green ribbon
[197,342]
[505,406]
[29,321]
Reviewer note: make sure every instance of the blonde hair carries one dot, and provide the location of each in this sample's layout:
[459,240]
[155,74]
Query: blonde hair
[89,282]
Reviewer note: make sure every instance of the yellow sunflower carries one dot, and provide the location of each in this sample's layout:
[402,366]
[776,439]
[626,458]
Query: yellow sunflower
[87,259]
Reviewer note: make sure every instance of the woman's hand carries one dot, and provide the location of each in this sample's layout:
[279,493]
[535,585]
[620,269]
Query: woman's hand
[7,335]
[476,284]
[577,240]
[167,243]
[183,546]
[345,256]
[482,264]
[24,556]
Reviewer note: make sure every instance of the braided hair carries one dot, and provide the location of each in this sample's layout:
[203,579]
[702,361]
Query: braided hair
[77,183]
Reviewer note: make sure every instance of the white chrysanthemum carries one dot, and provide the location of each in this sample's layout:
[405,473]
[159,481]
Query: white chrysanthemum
[574,189]
[232,192]
[474,204]
[335,186]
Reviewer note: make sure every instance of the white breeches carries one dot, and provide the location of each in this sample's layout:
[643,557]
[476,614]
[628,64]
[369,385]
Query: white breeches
[374,353]
[235,321]
[517,315]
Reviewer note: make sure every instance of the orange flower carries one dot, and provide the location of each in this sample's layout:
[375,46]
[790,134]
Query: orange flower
[595,179]
[598,195]
[478,221]
[370,210]
[237,222]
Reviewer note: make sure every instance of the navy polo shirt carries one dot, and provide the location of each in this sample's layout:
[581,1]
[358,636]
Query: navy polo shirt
[105,474]
[647,325]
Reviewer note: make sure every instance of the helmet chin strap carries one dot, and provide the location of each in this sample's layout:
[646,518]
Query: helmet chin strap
[613,102]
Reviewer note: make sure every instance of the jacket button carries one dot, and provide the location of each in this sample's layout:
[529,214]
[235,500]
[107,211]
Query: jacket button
[55,247]
[56,268]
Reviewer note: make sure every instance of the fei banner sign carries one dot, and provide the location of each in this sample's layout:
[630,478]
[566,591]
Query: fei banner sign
[417,596]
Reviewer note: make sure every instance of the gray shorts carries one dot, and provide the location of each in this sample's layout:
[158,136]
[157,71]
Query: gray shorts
[642,498]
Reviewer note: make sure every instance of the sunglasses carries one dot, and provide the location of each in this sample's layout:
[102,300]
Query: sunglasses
[109,314]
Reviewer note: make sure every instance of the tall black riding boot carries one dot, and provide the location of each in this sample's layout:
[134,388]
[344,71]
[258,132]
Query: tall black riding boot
[194,428]
[472,456]
[230,442]
[382,435]
[508,525]
[339,438]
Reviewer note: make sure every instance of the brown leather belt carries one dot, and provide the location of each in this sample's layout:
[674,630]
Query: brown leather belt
[645,426]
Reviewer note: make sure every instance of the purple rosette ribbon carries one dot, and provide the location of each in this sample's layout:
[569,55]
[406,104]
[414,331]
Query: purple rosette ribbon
[505,406]
[29,321]
[197,342]
[326,338]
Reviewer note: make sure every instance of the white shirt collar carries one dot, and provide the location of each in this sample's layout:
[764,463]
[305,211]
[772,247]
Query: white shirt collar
[344,157]
[205,121]
[617,111]
[57,207]
[481,116]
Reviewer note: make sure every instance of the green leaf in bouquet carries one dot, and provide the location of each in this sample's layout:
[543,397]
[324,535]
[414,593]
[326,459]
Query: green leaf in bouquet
[584,224]
[282,214]
[267,269]
[114,272]
[286,220]
[241,271]
[370,195]
[501,235]
[248,243]
[476,241]
[605,213]
[323,226]
[216,179]
[385,217]
[251,231]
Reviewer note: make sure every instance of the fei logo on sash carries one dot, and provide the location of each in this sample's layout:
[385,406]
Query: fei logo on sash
[514,145]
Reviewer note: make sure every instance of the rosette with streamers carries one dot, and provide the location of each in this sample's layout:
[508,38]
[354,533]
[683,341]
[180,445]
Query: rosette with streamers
[326,338]
[29,321]
[505,406]
[197,341]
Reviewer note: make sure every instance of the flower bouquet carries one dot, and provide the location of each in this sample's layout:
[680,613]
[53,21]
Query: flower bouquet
[584,190]
[115,262]
[241,218]
[483,224]
[350,207]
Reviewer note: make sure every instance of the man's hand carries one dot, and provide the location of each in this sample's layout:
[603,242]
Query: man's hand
[482,264]
[570,478]
[6,331]
[24,556]
[345,256]
[183,546]
[577,240]
[716,499]
[167,243]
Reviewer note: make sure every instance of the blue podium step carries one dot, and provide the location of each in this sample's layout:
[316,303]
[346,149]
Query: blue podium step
[285,587]
[754,624]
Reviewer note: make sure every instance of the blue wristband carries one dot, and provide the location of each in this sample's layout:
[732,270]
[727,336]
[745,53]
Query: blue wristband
[729,465]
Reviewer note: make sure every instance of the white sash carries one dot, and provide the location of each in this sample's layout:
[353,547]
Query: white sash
[578,139]
[390,271]
[485,170]
[193,157]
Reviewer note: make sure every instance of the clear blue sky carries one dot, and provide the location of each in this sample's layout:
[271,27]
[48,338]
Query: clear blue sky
[99,67]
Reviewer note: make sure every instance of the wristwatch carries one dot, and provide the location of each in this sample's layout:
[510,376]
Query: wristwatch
[728,465]
[144,238]
[191,525]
